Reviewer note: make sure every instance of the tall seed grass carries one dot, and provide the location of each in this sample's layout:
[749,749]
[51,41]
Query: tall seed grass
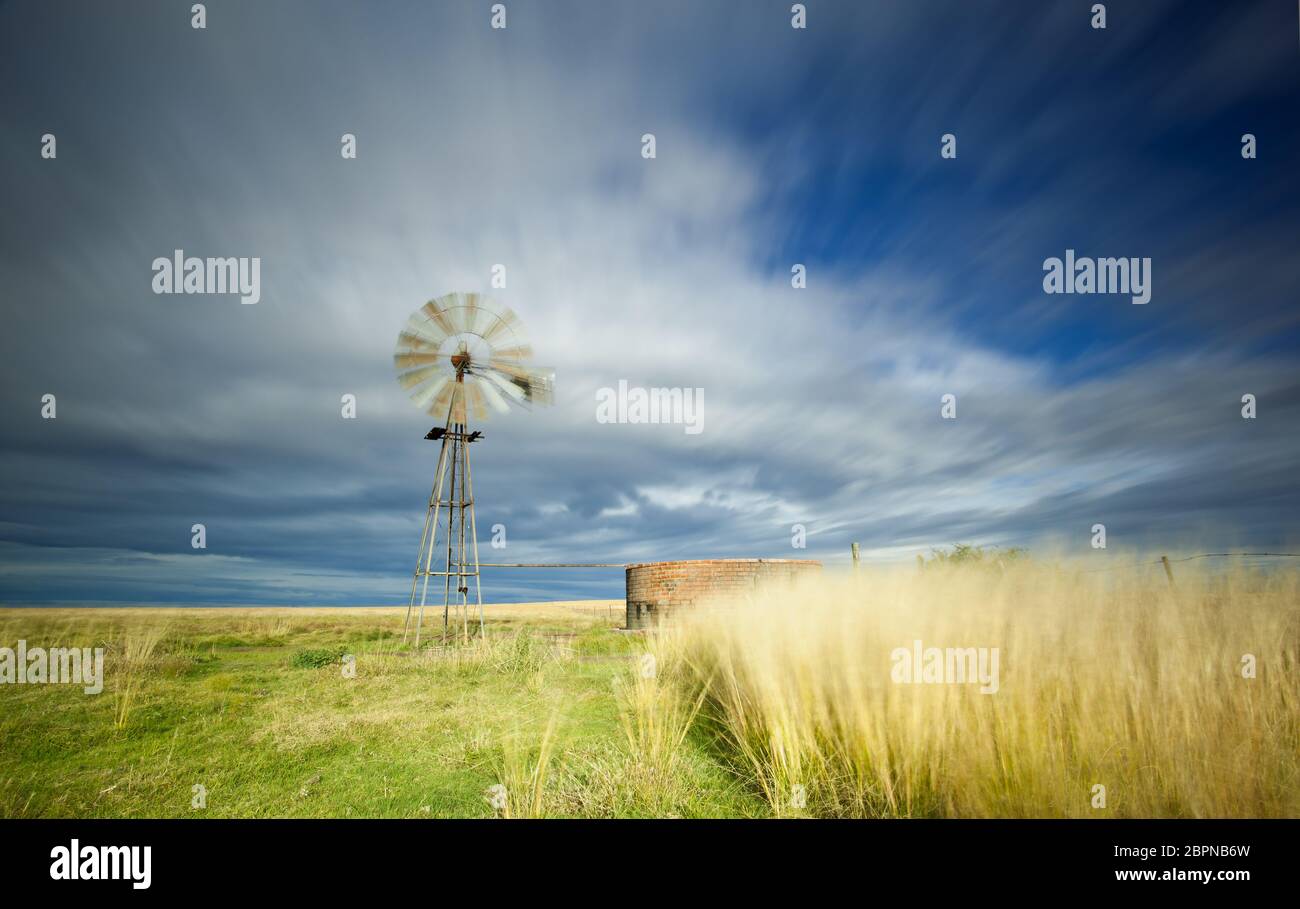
[1117,680]
[130,665]
[523,771]
[655,719]
[522,653]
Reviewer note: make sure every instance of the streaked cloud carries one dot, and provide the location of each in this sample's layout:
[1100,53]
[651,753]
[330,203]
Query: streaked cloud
[822,405]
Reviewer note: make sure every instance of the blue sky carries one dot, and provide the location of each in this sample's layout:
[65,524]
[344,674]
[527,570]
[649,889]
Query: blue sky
[522,146]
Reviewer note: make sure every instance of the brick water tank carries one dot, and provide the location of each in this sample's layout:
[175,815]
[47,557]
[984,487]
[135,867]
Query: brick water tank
[657,588]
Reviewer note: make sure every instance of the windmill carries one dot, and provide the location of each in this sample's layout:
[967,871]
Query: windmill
[457,358]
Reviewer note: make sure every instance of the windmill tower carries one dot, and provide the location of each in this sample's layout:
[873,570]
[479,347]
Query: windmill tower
[457,357]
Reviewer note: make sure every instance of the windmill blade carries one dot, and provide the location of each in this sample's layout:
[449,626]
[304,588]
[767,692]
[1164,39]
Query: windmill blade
[408,342]
[459,317]
[472,313]
[505,367]
[541,385]
[489,390]
[424,398]
[458,402]
[467,317]
[409,380]
[514,370]
[476,400]
[441,404]
[516,352]
[457,314]
[422,358]
[425,330]
[437,314]
[502,383]
[535,384]
[506,324]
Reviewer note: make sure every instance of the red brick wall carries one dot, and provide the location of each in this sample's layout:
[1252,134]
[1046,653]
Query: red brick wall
[654,589]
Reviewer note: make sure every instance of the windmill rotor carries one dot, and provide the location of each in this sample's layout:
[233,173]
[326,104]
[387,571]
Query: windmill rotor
[484,354]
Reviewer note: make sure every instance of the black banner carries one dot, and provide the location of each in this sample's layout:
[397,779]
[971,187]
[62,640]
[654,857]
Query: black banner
[329,858]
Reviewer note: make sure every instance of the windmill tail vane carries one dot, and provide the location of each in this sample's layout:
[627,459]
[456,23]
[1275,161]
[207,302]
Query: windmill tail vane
[459,359]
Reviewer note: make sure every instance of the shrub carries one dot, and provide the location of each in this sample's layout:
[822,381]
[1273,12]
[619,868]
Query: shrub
[966,554]
[317,658]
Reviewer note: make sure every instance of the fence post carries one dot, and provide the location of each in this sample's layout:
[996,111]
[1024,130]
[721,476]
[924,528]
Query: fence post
[854,548]
[1164,560]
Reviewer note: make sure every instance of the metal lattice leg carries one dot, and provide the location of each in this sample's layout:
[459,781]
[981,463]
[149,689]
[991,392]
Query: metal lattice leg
[433,536]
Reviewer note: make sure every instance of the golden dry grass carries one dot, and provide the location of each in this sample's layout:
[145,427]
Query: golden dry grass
[266,619]
[1113,679]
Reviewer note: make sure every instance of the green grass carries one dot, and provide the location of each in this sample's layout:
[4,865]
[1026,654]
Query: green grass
[254,706]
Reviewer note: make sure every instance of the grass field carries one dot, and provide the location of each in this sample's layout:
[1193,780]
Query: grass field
[227,699]
[787,704]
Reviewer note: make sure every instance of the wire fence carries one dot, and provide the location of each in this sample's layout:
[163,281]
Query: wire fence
[1164,560]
